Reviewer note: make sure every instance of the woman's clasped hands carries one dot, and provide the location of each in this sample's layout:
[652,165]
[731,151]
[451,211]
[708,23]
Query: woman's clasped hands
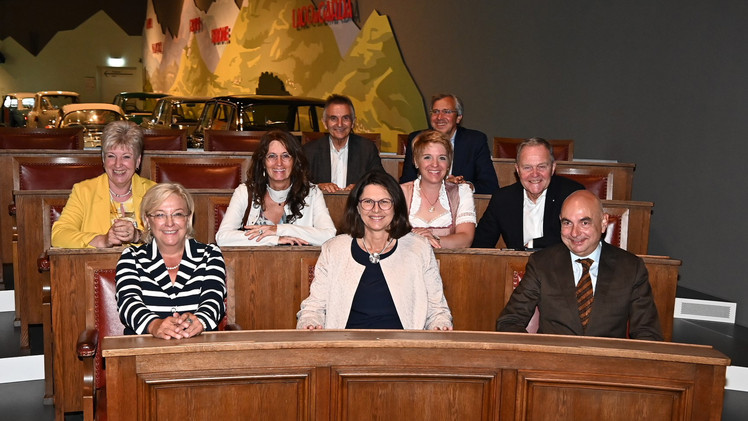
[176,326]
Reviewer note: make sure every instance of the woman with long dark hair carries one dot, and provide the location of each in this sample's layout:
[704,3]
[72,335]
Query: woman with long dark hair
[277,204]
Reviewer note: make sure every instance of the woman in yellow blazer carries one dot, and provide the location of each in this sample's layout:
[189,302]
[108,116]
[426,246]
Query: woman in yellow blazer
[105,211]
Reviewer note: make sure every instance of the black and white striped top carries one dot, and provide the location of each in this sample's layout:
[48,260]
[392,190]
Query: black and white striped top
[145,292]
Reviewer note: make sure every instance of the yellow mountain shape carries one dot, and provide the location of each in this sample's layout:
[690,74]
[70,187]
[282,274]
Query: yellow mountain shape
[308,62]
[374,76]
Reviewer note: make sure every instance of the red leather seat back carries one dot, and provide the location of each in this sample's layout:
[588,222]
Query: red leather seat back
[165,140]
[219,211]
[55,176]
[597,184]
[54,214]
[613,232]
[107,320]
[200,176]
[235,141]
[506,147]
[32,138]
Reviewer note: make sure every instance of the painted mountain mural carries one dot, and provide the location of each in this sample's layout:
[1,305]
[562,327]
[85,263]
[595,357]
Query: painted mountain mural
[309,62]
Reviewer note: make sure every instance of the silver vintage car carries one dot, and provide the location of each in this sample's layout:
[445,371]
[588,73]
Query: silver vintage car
[92,116]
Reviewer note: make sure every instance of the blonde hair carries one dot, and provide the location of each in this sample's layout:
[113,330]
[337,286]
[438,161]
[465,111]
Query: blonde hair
[122,133]
[431,136]
[155,196]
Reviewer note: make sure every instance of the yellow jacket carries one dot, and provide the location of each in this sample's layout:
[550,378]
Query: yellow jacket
[86,213]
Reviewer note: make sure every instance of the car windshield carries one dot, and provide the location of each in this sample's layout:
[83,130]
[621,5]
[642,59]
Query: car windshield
[188,112]
[57,101]
[90,117]
[281,116]
[139,105]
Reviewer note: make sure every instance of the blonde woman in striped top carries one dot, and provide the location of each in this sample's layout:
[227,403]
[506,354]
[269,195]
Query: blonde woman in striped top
[172,286]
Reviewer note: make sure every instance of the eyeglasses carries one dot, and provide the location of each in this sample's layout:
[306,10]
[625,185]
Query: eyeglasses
[177,217]
[285,157]
[444,111]
[368,204]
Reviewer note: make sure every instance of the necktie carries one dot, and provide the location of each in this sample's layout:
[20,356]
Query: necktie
[584,292]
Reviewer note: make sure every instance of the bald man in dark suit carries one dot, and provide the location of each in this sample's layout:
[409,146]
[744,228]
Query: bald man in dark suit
[622,304]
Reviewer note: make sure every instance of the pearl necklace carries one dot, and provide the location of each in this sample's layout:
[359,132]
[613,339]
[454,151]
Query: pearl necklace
[172,267]
[278,196]
[120,195]
[375,257]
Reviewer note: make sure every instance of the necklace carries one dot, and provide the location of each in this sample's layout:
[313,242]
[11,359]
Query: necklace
[433,204]
[374,257]
[172,267]
[278,196]
[121,195]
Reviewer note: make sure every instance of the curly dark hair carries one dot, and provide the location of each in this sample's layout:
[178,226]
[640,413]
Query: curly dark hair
[257,179]
[352,223]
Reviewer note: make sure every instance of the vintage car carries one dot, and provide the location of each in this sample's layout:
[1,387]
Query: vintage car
[93,116]
[137,105]
[47,107]
[258,113]
[15,107]
[176,112]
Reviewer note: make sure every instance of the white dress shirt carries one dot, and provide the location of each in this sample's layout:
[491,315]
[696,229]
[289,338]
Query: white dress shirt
[577,267]
[532,218]
[339,164]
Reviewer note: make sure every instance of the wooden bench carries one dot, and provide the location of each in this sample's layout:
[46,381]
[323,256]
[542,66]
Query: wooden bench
[33,138]
[389,375]
[629,221]
[271,282]
[610,180]
[33,174]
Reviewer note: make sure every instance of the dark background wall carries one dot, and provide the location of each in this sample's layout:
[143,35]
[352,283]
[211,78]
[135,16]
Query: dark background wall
[662,84]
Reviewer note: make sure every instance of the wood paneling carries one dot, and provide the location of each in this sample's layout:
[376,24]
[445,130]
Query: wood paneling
[270,283]
[390,375]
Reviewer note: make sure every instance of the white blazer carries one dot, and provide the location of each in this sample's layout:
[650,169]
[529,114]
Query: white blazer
[412,276]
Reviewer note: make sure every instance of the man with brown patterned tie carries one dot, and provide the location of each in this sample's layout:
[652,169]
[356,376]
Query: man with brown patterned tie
[584,286]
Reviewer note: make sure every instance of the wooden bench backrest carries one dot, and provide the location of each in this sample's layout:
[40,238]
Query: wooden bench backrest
[33,138]
[598,182]
[165,140]
[506,147]
[200,173]
[54,173]
[230,140]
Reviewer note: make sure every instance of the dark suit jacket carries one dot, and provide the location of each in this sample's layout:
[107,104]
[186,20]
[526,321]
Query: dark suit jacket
[623,297]
[363,156]
[472,160]
[503,216]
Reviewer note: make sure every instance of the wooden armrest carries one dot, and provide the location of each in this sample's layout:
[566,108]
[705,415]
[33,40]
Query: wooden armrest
[88,340]
[12,209]
[42,262]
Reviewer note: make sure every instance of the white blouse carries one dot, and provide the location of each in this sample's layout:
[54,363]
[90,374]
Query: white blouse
[315,225]
[465,209]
